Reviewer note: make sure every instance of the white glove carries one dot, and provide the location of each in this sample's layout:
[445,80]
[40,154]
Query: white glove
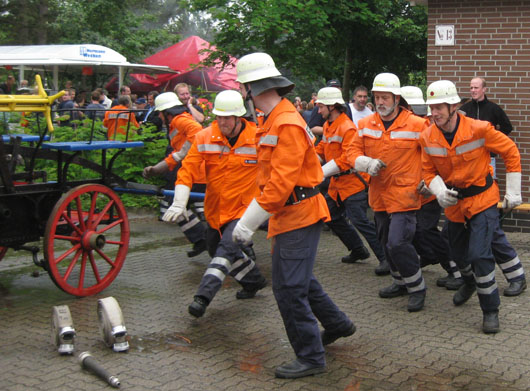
[423,189]
[330,168]
[178,208]
[512,198]
[369,165]
[253,217]
[444,196]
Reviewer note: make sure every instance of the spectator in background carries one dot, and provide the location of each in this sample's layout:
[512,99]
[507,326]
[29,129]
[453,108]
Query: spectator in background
[95,109]
[104,98]
[151,116]
[358,107]
[479,107]
[65,106]
[183,93]
[9,86]
[124,90]
[140,105]
[306,115]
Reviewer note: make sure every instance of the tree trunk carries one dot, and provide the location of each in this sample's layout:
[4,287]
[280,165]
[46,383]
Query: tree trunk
[346,82]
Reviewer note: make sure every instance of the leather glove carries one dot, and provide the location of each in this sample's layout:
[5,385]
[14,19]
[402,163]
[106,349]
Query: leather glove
[369,165]
[178,207]
[159,169]
[253,217]
[512,198]
[444,196]
[423,189]
[330,168]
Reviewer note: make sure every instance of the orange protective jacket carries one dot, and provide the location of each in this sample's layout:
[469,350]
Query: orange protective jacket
[394,188]
[117,120]
[467,162]
[182,131]
[287,159]
[230,172]
[335,139]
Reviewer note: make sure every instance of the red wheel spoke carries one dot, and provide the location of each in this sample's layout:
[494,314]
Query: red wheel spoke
[80,213]
[75,248]
[114,242]
[111,225]
[82,271]
[94,266]
[92,208]
[69,238]
[104,256]
[102,213]
[71,223]
[72,265]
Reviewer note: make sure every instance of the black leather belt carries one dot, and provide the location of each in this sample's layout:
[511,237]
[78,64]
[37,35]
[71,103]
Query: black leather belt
[474,190]
[352,171]
[301,193]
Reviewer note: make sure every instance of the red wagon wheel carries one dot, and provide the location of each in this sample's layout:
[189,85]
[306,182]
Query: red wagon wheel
[86,239]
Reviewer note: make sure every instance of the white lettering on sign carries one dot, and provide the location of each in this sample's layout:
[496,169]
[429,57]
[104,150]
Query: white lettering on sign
[444,35]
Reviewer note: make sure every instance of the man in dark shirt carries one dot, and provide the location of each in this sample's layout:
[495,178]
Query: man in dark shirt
[479,107]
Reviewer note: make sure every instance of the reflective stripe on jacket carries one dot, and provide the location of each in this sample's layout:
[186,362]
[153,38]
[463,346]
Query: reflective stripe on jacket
[287,159]
[230,172]
[335,139]
[467,162]
[116,120]
[394,188]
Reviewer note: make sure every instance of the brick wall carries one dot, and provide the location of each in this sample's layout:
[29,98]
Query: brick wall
[492,40]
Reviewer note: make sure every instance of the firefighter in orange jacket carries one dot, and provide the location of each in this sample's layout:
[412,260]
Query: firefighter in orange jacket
[182,131]
[387,147]
[228,148]
[119,119]
[347,191]
[456,158]
[288,176]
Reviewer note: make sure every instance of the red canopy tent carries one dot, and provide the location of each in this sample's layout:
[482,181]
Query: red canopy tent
[185,57]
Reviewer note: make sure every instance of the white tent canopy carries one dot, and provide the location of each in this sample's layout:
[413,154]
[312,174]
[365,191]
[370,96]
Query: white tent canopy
[58,57]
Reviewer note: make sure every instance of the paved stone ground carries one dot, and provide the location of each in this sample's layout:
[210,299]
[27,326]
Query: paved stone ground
[237,344]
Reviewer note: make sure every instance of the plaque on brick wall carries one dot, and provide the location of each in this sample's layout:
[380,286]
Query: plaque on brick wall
[444,35]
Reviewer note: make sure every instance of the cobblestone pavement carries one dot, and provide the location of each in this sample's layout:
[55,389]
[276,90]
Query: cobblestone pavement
[238,343]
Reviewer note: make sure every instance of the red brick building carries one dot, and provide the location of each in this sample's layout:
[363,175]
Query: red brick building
[489,39]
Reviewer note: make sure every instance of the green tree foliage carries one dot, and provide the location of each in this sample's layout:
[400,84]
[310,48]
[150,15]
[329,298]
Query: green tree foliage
[321,39]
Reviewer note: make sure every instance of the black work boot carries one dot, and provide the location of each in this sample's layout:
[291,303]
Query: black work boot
[416,301]
[454,283]
[198,306]
[247,293]
[355,255]
[464,293]
[515,288]
[490,323]
[393,290]
[198,247]
[442,281]
[383,269]
[330,337]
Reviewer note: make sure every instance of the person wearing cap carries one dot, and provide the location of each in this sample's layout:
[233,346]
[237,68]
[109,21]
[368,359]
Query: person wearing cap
[182,129]
[387,147]
[456,157]
[316,121]
[289,173]
[228,149]
[119,120]
[347,193]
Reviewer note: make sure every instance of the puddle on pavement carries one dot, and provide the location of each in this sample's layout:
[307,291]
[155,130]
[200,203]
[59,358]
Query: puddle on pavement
[155,343]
